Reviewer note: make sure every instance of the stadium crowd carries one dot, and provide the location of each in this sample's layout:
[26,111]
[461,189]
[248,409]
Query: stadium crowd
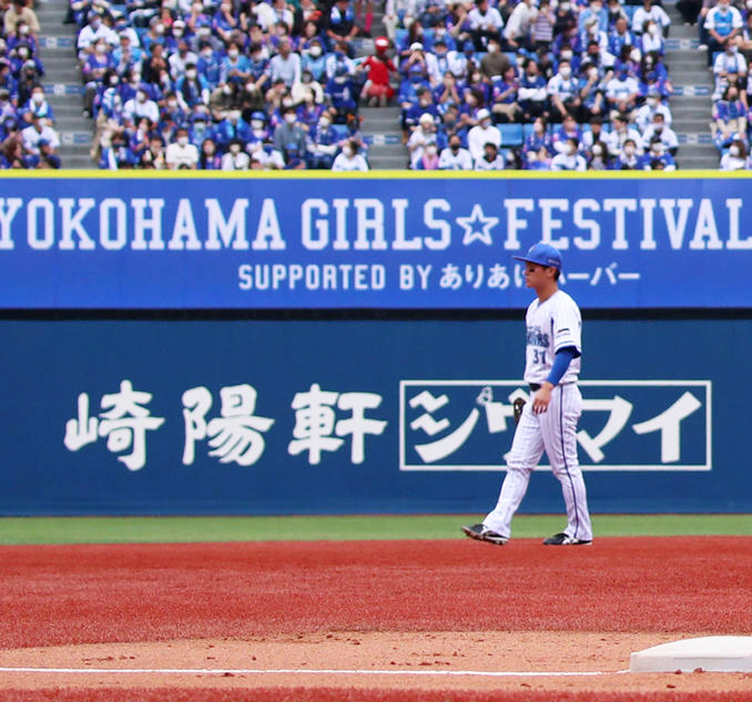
[27,135]
[278,84]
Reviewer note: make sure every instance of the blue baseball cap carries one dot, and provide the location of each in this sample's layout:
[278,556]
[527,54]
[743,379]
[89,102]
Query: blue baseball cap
[543,255]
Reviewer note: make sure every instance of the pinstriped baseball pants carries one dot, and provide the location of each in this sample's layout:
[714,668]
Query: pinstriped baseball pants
[555,432]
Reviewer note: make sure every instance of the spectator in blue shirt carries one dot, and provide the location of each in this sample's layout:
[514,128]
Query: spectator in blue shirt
[341,93]
[234,67]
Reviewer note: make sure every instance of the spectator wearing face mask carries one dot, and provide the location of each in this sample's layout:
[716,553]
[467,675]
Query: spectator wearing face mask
[208,64]
[537,141]
[591,92]
[350,159]
[594,11]
[518,28]
[485,23]
[628,159]
[37,132]
[622,92]
[236,159]
[567,132]
[722,23]
[92,33]
[569,159]
[650,108]
[181,154]
[492,160]
[38,106]
[179,61]
[233,127]
[289,132]
[454,157]
[21,37]
[314,60]
[735,159]
[321,144]
[423,135]
[141,106]
[127,55]
[18,12]
[598,158]
[621,36]
[657,158]
[658,130]
[650,12]
[341,93]
[192,89]
[564,93]
[481,134]
[532,94]
[286,64]
[429,161]
[729,61]
[729,118]
[652,39]
[621,132]
[260,134]
[495,62]
[234,68]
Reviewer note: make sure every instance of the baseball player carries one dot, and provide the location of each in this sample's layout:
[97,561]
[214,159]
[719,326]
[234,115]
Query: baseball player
[549,421]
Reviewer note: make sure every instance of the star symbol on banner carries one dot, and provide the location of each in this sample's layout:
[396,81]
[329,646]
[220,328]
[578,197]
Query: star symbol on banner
[477,226]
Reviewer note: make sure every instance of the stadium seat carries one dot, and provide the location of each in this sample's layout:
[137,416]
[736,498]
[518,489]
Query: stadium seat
[511,134]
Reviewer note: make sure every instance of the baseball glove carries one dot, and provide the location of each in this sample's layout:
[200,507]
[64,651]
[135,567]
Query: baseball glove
[518,405]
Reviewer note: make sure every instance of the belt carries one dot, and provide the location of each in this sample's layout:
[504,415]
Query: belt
[534,387]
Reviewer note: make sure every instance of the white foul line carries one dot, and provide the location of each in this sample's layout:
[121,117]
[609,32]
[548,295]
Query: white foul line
[301,671]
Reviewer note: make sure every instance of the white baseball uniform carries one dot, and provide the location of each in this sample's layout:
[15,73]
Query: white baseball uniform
[552,325]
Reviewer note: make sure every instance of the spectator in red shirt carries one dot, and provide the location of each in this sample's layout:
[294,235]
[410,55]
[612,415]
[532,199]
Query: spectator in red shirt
[377,89]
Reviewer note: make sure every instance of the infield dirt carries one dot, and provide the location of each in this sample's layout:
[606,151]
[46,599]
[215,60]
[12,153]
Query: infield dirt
[402,614]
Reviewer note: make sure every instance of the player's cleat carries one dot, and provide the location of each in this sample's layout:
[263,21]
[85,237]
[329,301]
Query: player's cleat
[483,533]
[565,540]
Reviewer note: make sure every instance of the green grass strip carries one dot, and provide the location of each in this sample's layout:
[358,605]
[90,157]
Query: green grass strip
[70,530]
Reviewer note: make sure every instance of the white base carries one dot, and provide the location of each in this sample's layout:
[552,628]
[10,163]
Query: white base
[723,654]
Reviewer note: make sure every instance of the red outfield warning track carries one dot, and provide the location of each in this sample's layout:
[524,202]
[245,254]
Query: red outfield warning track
[382,620]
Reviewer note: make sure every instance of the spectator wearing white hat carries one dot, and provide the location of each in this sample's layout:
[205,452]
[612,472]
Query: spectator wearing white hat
[481,134]
[423,134]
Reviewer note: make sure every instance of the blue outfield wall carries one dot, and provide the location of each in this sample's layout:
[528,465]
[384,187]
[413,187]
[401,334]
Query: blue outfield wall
[330,416]
[279,417]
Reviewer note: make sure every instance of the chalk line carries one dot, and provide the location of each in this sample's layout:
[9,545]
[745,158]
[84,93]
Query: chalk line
[304,671]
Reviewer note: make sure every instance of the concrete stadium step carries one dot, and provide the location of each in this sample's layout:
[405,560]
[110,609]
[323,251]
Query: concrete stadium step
[686,58]
[55,55]
[68,109]
[696,126]
[384,163]
[381,119]
[61,72]
[683,31]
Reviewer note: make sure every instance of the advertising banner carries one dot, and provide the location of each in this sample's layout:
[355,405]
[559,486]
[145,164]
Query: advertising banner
[428,242]
[295,417]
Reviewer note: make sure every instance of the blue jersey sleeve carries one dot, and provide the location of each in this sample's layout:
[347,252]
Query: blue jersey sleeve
[562,359]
